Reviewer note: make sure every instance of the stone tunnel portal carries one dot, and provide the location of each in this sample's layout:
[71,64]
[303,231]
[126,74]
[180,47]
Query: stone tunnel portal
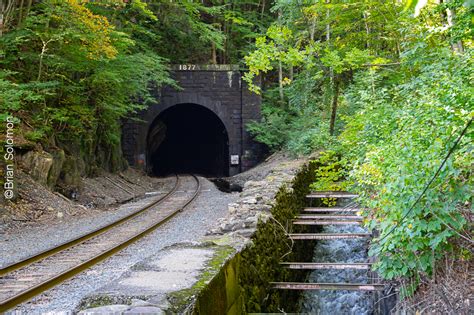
[188,138]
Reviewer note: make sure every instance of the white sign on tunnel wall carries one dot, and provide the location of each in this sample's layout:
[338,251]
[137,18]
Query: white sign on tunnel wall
[234,160]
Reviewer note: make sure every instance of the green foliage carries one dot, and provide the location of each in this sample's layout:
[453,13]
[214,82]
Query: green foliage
[72,76]
[298,129]
[330,175]
[71,70]
[274,47]
[403,88]
[402,131]
[35,135]
[315,64]
[272,130]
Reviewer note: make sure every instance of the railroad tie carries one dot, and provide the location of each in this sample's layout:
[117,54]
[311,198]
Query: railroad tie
[127,184]
[119,187]
[25,279]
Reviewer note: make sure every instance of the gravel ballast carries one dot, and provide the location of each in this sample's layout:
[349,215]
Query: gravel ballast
[21,244]
[187,226]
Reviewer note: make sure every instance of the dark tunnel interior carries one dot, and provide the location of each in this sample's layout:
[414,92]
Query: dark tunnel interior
[188,138]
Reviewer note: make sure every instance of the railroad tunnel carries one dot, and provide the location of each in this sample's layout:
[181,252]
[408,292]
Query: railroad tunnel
[188,138]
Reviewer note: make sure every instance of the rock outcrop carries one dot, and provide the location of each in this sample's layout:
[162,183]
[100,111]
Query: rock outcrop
[38,164]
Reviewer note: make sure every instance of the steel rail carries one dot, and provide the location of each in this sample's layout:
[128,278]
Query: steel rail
[29,293]
[51,251]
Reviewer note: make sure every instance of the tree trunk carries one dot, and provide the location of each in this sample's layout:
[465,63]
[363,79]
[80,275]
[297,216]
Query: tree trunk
[2,9]
[367,29]
[28,7]
[7,8]
[213,54]
[312,29]
[280,80]
[20,13]
[44,49]
[332,123]
[450,16]
[328,26]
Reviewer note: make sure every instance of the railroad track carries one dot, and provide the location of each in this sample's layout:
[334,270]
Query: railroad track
[25,279]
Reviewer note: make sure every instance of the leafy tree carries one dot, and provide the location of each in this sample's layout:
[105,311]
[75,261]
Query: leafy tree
[402,85]
[75,75]
[402,132]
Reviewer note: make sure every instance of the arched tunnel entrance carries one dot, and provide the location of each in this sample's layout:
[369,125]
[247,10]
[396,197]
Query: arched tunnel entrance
[188,138]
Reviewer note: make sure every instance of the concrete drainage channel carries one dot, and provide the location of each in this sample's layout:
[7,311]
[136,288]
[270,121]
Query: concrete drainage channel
[226,186]
[229,269]
[242,285]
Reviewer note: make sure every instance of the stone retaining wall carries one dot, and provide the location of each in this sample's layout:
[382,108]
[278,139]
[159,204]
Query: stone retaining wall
[256,228]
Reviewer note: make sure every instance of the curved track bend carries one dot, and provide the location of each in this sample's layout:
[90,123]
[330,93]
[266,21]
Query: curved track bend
[23,280]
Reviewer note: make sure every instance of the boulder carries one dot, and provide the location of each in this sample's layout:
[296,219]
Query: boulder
[38,164]
[58,160]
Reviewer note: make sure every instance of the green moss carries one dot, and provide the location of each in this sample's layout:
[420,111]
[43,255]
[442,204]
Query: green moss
[104,300]
[261,262]
[72,170]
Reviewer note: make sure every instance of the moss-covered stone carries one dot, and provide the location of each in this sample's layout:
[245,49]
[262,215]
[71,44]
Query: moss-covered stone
[70,176]
[180,300]
[104,300]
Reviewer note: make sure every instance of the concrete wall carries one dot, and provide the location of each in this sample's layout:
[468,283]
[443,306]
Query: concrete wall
[217,87]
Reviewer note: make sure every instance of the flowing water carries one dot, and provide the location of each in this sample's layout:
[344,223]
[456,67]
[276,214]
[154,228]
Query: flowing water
[339,251]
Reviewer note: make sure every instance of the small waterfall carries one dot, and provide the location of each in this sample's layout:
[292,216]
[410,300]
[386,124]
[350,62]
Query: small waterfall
[339,251]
